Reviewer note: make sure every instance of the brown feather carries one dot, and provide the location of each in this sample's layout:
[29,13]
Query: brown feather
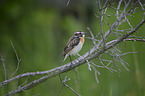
[73,41]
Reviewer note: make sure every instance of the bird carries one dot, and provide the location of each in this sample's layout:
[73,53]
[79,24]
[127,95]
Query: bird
[74,45]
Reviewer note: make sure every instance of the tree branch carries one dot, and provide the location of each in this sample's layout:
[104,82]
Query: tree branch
[143,40]
[65,68]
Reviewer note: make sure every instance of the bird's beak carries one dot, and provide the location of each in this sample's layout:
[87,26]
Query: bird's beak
[85,33]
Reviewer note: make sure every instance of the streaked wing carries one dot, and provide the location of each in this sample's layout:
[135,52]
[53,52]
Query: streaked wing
[66,51]
[70,45]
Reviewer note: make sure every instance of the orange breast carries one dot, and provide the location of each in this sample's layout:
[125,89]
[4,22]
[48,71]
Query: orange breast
[82,40]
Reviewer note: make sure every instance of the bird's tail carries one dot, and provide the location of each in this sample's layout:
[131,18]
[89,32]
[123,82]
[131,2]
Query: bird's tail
[64,57]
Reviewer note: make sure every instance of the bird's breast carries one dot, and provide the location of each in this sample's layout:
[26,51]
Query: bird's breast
[76,49]
[82,40]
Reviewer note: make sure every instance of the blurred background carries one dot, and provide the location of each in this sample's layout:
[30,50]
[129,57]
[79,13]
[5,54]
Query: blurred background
[39,30]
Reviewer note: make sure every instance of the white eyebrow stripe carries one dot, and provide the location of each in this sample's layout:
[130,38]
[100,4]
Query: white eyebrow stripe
[77,32]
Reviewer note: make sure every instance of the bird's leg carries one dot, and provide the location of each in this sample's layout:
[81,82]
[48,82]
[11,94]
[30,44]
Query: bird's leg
[76,58]
[62,62]
[70,59]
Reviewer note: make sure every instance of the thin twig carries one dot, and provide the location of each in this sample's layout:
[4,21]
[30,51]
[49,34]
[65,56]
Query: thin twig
[128,22]
[89,66]
[2,59]
[141,5]
[104,65]
[96,72]
[64,84]
[92,35]
[17,59]
[136,36]
[101,24]
[124,65]
[105,5]
[67,3]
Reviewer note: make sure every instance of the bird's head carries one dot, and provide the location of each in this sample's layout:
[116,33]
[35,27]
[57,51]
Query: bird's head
[79,34]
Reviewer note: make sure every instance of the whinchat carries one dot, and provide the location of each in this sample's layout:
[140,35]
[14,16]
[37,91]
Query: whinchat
[74,44]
